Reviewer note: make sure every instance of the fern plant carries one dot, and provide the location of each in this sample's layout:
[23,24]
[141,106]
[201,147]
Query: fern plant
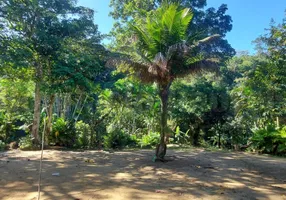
[270,140]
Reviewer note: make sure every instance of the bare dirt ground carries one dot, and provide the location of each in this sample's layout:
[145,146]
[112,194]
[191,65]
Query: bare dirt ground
[192,174]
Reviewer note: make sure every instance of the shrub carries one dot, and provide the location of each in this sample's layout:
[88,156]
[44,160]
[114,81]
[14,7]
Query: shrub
[2,145]
[26,143]
[150,140]
[60,125]
[117,139]
[269,140]
[83,134]
[64,133]
[180,137]
[218,138]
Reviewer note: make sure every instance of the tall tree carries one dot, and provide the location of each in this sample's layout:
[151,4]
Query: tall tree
[164,50]
[33,32]
[261,92]
[74,68]
[205,22]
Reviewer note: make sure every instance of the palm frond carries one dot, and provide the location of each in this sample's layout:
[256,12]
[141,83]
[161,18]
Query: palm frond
[165,27]
[133,50]
[183,48]
[163,48]
[210,65]
[146,41]
[185,16]
[161,61]
[206,40]
[126,65]
[178,48]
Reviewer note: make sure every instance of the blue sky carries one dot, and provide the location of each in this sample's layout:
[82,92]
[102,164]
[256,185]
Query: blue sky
[250,18]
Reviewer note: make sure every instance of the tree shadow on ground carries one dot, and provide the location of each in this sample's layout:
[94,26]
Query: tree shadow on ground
[196,174]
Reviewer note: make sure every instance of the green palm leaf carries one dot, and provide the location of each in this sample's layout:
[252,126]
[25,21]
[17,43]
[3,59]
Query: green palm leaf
[164,47]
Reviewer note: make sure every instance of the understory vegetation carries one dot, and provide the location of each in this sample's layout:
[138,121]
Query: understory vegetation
[178,82]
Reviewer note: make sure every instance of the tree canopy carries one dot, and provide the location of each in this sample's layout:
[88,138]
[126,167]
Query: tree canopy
[168,76]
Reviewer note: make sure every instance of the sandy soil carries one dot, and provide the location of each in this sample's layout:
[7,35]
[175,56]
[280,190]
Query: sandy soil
[192,174]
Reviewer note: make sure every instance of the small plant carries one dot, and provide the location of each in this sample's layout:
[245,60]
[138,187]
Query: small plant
[218,140]
[2,145]
[83,134]
[26,143]
[270,140]
[181,137]
[118,139]
[150,140]
[59,126]
[64,133]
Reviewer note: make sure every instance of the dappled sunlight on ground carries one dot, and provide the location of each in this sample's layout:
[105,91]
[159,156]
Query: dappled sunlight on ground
[194,174]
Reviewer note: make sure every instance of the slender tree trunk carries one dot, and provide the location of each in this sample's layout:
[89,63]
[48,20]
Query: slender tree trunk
[37,104]
[64,103]
[50,117]
[68,107]
[58,105]
[37,112]
[162,147]
[219,139]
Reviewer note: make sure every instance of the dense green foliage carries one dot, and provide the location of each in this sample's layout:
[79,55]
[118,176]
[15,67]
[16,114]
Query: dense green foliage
[270,140]
[165,49]
[54,70]
[2,145]
[26,143]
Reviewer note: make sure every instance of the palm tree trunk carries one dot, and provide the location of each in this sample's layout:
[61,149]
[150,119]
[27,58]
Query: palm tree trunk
[37,113]
[162,147]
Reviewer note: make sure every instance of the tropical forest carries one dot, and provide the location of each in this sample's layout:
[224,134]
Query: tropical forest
[162,106]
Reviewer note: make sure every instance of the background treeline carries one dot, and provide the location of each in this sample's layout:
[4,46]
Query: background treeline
[53,77]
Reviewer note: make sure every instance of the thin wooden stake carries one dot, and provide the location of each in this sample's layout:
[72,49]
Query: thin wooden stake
[42,151]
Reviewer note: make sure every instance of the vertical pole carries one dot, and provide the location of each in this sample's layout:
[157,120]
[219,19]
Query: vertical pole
[41,161]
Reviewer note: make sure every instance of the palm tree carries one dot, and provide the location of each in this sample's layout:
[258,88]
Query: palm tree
[162,51]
